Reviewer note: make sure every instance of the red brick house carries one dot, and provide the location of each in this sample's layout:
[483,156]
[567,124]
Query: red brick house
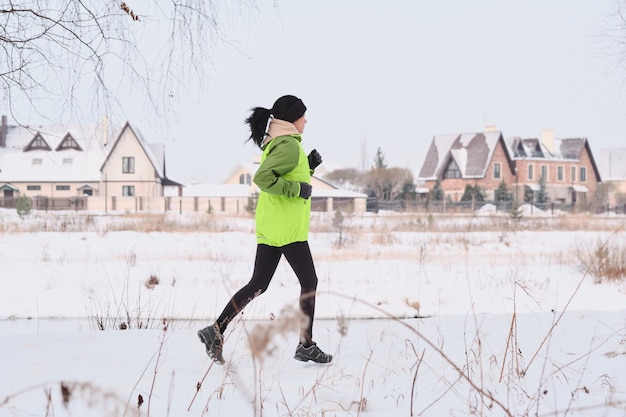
[485,159]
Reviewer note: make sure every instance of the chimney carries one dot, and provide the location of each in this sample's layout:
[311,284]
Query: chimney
[3,132]
[547,139]
[491,128]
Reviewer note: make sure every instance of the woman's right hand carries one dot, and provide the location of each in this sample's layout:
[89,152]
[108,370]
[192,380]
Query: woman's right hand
[305,190]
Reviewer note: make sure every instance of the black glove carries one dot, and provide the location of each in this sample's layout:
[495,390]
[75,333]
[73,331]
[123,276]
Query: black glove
[305,190]
[315,159]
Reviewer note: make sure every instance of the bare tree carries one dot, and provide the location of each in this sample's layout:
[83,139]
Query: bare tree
[347,178]
[62,50]
[613,36]
[387,183]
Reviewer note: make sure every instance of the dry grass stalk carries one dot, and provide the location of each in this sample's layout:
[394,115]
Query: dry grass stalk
[260,337]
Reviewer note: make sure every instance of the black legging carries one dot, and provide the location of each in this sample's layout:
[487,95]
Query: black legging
[298,255]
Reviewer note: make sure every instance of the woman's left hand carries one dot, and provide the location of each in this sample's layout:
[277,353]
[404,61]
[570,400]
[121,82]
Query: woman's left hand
[315,159]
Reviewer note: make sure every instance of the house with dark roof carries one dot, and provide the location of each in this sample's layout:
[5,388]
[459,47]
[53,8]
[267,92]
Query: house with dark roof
[458,160]
[485,159]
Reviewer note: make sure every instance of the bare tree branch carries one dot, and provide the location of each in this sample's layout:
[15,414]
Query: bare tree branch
[65,50]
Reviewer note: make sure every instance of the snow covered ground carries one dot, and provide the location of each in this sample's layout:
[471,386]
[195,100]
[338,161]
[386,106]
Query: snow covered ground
[425,316]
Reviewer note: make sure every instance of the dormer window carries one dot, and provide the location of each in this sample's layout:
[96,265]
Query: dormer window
[38,143]
[452,170]
[68,142]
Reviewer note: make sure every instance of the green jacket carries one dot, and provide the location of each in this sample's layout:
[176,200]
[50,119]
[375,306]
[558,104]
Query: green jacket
[282,217]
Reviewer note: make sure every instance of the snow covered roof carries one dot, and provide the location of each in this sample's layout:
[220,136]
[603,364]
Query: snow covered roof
[337,193]
[243,190]
[567,148]
[471,152]
[59,154]
[65,153]
[216,190]
[525,148]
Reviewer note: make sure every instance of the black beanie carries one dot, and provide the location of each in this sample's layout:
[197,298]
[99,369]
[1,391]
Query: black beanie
[288,108]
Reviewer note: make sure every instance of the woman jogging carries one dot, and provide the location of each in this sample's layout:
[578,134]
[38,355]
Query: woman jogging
[282,222]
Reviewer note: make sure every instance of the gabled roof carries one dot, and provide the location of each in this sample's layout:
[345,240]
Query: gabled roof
[79,153]
[9,187]
[526,148]
[570,148]
[470,152]
[68,142]
[45,164]
[567,149]
[154,152]
[37,143]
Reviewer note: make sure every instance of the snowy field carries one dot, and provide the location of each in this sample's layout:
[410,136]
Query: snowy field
[425,316]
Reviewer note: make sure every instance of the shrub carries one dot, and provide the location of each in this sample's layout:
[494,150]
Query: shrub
[605,261]
[23,206]
[516,211]
[252,200]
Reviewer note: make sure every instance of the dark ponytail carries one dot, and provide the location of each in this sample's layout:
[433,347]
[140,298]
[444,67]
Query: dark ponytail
[288,108]
[258,123]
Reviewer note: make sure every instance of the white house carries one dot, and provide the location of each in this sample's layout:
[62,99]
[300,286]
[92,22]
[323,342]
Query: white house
[67,163]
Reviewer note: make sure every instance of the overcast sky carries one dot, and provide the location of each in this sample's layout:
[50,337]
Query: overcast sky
[394,74]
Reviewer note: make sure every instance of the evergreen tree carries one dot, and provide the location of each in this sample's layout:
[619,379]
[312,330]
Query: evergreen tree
[502,193]
[472,193]
[542,195]
[437,192]
[516,211]
[379,159]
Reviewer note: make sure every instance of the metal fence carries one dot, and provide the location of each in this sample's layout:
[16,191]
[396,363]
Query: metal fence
[139,204]
[469,207]
[47,203]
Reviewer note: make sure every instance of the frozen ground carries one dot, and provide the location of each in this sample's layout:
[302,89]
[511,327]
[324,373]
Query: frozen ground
[510,324]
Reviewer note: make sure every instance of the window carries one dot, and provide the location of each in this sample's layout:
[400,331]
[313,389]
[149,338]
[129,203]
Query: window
[245,179]
[128,190]
[67,161]
[63,187]
[583,174]
[544,172]
[452,170]
[37,161]
[497,171]
[559,173]
[531,172]
[573,174]
[128,165]
[33,187]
